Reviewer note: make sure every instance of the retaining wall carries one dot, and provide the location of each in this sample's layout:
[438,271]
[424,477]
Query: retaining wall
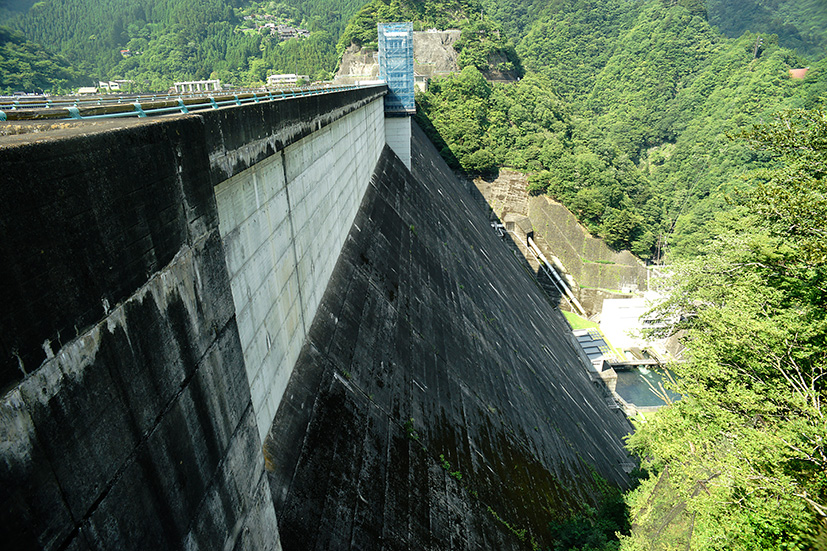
[586,258]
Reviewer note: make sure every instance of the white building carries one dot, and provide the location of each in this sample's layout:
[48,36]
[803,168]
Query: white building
[193,86]
[114,85]
[289,79]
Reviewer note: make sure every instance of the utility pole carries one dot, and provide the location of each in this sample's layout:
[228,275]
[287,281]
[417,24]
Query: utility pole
[758,43]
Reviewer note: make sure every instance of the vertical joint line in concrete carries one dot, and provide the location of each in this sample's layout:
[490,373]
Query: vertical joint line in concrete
[293,241]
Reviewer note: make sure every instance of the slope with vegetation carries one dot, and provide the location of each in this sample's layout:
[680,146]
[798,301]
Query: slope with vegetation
[799,24]
[741,461]
[28,67]
[651,91]
[155,42]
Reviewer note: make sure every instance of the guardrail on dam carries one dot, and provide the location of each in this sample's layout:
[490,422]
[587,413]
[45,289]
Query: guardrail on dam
[128,420]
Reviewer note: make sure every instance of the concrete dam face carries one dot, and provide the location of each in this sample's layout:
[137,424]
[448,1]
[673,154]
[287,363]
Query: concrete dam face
[254,328]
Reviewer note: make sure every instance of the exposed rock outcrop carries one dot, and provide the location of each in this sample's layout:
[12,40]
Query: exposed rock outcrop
[434,55]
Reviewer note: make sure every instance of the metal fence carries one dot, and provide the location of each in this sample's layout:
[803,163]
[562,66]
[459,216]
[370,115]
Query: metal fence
[19,108]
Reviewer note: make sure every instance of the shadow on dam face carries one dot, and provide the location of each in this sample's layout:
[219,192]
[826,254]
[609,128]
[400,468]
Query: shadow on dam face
[438,401]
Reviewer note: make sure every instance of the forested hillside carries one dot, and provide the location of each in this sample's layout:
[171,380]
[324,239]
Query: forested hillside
[740,462]
[27,66]
[799,24]
[155,42]
[651,92]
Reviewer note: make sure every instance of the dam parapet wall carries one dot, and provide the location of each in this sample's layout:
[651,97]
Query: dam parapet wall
[283,222]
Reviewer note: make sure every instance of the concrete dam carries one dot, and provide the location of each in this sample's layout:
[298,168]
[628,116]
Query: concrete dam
[256,328]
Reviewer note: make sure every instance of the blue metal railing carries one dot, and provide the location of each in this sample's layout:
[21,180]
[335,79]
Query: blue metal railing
[105,107]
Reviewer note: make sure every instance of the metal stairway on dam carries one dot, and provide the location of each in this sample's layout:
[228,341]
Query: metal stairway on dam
[426,395]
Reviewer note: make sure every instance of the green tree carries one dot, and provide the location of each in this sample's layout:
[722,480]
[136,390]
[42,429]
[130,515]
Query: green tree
[26,66]
[741,461]
[589,204]
[481,43]
[620,228]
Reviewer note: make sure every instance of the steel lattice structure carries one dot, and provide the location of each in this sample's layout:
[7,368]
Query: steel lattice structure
[396,66]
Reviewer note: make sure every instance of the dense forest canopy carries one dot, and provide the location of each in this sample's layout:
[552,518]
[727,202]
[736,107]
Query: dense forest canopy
[28,66]
[651,91]
[799,24]
[671,128]
[155,42]
[439,14]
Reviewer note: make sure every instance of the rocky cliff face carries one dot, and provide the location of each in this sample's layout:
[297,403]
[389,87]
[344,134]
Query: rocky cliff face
[357,64]
[434,55]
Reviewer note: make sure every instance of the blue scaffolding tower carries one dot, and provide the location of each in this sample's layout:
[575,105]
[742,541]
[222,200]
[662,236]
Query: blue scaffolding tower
[396,66]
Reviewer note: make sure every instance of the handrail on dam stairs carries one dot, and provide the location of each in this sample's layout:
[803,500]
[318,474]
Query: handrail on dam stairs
[146,106]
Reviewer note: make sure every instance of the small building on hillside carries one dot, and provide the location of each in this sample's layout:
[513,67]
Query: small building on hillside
[799,73]
[288,79]
[193,86]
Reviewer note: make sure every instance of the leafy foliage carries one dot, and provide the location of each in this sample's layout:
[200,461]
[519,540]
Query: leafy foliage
[170,40]
[571,46]
[631,96]
[745,448]
[483,46]
[799,24]
[26,66]
[594,529]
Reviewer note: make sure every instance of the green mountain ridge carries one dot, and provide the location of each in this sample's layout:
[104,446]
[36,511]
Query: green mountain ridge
[170,40]
[635,164]
[186,39]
